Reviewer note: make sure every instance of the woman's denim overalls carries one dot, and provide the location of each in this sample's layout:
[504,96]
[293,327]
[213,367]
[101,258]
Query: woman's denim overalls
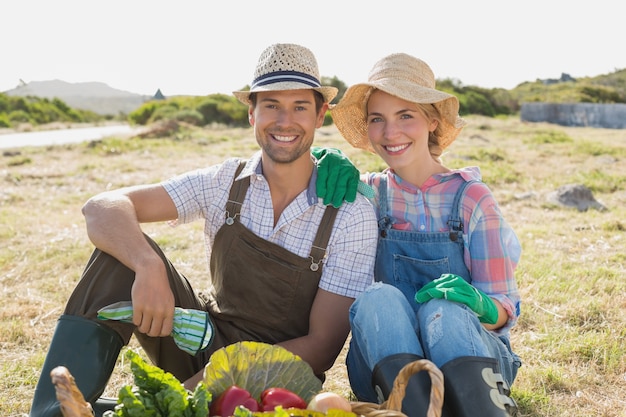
[386,319]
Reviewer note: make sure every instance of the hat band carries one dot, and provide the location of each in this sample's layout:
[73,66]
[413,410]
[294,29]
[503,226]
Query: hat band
[285,76]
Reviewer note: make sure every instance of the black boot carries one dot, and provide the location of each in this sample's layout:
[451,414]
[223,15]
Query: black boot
[89,351]
[417,396]
[474,387]
[103,404]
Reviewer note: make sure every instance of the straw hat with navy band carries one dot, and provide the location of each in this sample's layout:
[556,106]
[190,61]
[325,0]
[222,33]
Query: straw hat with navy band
[286,66]
[405,77]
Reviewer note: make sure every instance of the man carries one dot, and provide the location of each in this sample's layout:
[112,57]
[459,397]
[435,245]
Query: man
[284,269]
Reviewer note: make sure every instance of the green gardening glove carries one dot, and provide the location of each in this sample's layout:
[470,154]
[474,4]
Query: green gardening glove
[454,288]
[337,177]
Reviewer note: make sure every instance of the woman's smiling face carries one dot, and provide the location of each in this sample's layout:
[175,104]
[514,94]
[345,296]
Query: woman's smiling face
[398,130]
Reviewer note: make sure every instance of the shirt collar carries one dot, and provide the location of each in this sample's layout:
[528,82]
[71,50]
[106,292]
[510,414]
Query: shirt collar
[467,173]
[254,166]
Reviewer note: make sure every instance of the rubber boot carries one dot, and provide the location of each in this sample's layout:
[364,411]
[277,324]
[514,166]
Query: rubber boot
[474,387]
[89,351]
[103,404]
[417,396]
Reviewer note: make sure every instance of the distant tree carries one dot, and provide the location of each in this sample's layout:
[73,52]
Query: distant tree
[190,116]
[158,95]
[143,113]
[599,94]
[4,103]
[20,116]
[337,83]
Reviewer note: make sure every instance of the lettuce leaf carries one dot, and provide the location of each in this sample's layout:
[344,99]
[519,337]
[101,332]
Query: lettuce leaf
[200,401]
[134,402]
[157,393]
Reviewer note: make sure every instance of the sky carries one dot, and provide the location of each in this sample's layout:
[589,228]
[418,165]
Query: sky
[200,47]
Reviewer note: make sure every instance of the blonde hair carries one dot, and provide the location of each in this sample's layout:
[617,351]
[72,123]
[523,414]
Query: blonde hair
[431,113]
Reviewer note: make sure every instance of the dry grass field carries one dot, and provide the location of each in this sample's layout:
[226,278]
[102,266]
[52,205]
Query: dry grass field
[572,333]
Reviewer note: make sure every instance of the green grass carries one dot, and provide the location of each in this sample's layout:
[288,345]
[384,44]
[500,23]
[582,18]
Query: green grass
[572,332]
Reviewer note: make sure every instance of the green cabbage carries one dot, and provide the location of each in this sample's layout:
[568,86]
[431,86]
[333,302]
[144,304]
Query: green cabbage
[256,366]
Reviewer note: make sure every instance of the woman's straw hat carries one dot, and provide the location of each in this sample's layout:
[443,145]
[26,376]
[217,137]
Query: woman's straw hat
[286,66]
[403,76]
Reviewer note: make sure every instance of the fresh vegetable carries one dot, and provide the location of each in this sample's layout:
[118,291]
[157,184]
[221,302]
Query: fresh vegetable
[325,401]
[292,412]
[158,393]
[273,397]
[234,396]
[256,366]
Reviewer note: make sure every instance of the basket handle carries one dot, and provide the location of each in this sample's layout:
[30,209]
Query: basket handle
[394,402]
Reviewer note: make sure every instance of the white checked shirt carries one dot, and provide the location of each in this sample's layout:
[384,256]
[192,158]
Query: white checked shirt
[349,267]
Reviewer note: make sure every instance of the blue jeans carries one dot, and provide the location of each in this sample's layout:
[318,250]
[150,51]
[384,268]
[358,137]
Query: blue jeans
[384,323]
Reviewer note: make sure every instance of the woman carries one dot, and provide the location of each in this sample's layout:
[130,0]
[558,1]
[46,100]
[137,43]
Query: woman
[445,264]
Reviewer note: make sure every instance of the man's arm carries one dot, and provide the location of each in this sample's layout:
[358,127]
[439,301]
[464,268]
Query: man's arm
[113,225]
[354,253]
[328,329]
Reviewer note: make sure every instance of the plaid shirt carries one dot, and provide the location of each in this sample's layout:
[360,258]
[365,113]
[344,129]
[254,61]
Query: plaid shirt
[492,250]
[349,266]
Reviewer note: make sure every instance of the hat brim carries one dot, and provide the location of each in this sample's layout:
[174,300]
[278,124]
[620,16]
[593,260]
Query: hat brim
[350,114]
[328,92]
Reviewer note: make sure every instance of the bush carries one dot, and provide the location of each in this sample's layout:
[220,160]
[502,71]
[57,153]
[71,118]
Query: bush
[20,116]
[472,102]
[36,111]
[599,94]
[328,119]
[163,112]
[143,114]
[4,103]
[234,113]
[223,109]
[208,109]
[192,117]
[4,120]
[42,112]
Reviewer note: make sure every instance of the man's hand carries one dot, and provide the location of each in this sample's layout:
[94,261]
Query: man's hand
[454,288]
[337,177]
[153,301]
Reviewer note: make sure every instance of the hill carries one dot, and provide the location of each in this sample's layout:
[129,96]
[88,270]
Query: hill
[93,96]
[104,100]
[605,88]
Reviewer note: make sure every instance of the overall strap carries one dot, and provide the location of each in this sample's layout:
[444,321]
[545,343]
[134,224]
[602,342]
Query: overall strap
[382,194]
[237,195]
[455,222]
[318,250]
[385,221]
[325,228]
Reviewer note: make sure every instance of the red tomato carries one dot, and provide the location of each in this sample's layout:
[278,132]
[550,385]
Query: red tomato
[273,397]
[225,405]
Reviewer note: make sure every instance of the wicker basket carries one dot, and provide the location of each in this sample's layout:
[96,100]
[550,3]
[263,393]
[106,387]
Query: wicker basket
[393,406]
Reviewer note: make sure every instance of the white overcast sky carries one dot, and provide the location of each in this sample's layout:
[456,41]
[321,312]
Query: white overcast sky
[198,47]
